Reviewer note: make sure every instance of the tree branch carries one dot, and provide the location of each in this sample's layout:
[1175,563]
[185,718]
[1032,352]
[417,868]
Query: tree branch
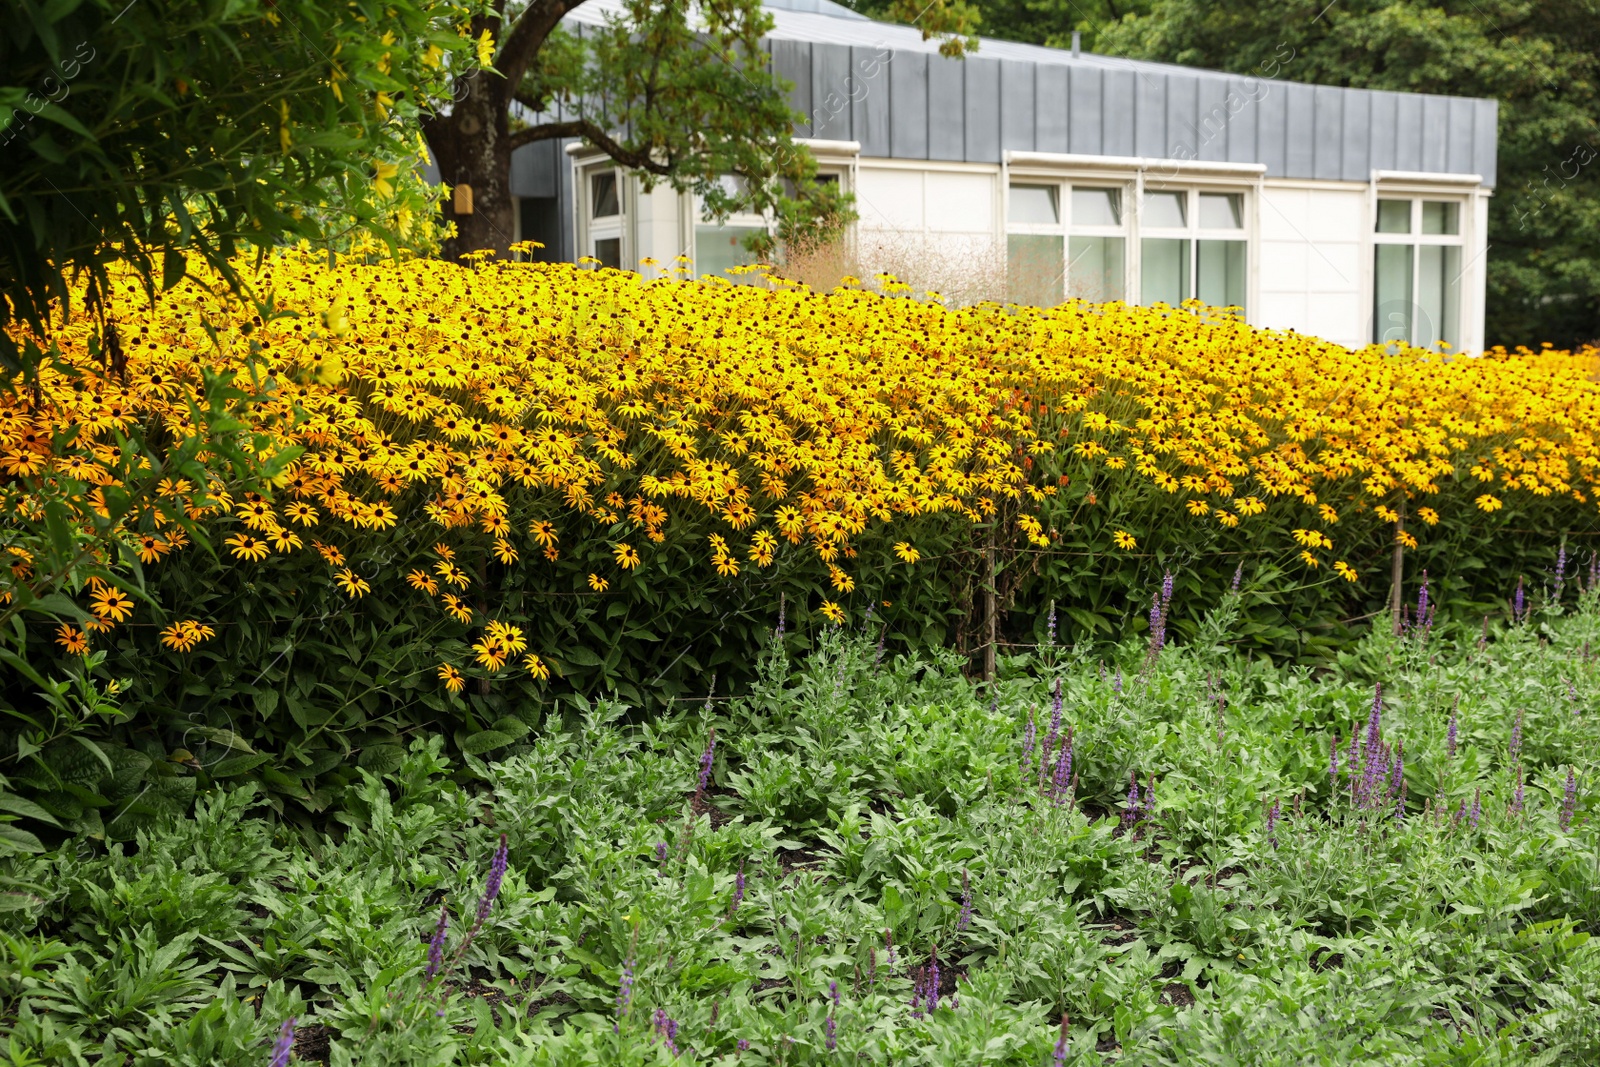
[528,35]
[550,131]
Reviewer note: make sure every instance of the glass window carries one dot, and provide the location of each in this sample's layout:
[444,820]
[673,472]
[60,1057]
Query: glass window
[1441,216]
[1221,211]
[603,195]
[1033,268]
[608,250]
[1219,273]
[716,248]
[1095,267]
[1167,210]
[1096,207]
[1392,307]
[1394,216]
[1438,289]
[1033,205]
[1164,272]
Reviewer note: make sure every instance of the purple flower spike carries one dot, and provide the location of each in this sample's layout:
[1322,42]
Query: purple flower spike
[778,633]
[1060,1057]
[1063,768]
[1569,799]
[1028,736]
[661,852]
[1050,630]
[738,891]
[624,994]
[1519,604]
[1477,810]
[491,888]
[1055,711]
[706,759]
[1116,684]
[1272,823]
[1238,574]
[1516,798]
[284,1045]
[436,946]
[833,1034]
[743,1044]
[933,980]
[965,918]
[833,993]
[1451,735]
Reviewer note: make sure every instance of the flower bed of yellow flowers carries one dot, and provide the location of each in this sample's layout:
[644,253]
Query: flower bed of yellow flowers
[524,406]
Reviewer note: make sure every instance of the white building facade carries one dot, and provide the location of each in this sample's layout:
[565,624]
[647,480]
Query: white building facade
[1354,215]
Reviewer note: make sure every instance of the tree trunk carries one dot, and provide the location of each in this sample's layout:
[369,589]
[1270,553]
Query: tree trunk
[472,146]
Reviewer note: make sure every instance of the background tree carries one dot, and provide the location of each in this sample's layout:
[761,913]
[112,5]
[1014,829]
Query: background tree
[1538,59]
[678,93]
[141,131]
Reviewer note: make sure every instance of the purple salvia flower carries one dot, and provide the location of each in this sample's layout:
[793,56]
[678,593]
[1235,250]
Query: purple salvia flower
[706,759]
[1149,807]
[661,852]
[1055,711]
[1569,799]
[1156,625]
[1375,720]
[666,1029]
[833,992]
[1516,798]
[1519,603]
[1477,810]
[1166,592]
[1050,628]
[782,604]
[866,620]
[1561,571]
[1451,734]
[1238,574]
[1059,1058]
[1397,774]
[1028,735]
[1063,768]
[436,945]
[1132,813]
[933,980]
[1116,683]
[916,997]
[1461,813]
[1352,758]
[1272,822]
[1516,735]
[491,888]
[282,1047]
[624,994]
[743,1044]
[888,947]
[738,891]
[964,920]
[833,1034]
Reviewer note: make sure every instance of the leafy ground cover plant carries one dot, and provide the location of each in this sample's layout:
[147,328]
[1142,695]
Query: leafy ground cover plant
[1171,854]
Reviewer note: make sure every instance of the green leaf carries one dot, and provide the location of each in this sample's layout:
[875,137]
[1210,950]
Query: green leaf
[26,808]
[484,741]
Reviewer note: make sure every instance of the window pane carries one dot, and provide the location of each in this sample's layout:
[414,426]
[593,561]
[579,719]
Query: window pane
[603,195]
[1033,204]
[1441,216]
[1222,211]
[716,248]
[1394,216]
[609,252]
[1164,272]
[1438,288]
[1392,307]
[1166,209]
[1095,268]
[1096,207]
[1219,273]
[1033,268]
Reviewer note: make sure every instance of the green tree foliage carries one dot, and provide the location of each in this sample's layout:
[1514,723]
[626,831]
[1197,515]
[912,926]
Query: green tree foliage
[1538,59]
[136,131]
[679,93]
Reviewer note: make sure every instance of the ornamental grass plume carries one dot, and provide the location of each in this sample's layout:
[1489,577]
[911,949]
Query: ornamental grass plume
[284,1046]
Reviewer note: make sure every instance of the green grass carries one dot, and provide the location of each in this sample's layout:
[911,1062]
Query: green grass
[855,797]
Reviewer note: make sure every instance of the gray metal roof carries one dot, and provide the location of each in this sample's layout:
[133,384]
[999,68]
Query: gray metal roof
[882,85]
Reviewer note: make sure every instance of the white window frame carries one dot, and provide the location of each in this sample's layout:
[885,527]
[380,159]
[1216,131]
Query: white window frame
[692,209]
[1416,194]
[1135,175]
[1194,233]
